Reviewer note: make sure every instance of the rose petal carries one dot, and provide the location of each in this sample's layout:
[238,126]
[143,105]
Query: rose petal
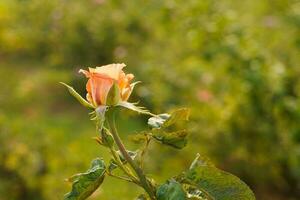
[100,89]
[112,70]
[86,73]
[126,93]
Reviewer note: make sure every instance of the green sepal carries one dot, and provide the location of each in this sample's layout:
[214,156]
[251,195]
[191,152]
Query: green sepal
[113,96]
[135,107]
[215,183]
[77,96]
[84,184]
[171,190]
[132,85]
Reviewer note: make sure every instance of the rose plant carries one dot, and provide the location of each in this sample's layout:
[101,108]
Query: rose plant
[109,88]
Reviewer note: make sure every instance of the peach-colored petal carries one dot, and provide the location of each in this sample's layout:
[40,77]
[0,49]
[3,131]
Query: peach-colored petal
[92,90]
[103,89]
[129,77]
[86,73]
[124,84]
[126,93]
[112,70]
[100,88]
[122,81]
[89,86]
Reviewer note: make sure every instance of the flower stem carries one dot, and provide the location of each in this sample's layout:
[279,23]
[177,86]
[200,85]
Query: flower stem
[139,172]
[122,167]
[122,178]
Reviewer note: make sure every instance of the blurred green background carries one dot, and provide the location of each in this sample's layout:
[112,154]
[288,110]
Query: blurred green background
[234,63]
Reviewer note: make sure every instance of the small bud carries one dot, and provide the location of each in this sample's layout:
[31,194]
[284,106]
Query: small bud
[113,96]
[107,138]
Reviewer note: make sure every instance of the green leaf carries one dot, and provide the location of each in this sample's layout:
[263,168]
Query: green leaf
[142,197]
[165,120]
[171,190]
[215,183]
[84,184]
[132,154]
[158,120]
[112,165]
[178,115]
[77,96]
[201,161]
[139,138]
[113,96]
[193,193]
[176,139]
[160,124]
[134,107]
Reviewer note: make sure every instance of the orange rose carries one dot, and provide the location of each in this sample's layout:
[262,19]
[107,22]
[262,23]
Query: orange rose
[101,79]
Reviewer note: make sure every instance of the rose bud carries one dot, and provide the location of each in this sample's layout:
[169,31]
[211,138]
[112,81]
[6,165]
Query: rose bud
[107,85]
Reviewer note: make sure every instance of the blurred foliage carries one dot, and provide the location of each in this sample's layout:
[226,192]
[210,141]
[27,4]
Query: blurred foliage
[234,63]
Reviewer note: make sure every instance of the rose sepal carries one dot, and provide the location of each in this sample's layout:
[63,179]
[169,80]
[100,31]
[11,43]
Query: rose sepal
[75,94]
[113,96]
[135,107]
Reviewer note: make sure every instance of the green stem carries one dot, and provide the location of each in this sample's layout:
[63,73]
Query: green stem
[122,167]
[122,178]
[142,155]
[145,184]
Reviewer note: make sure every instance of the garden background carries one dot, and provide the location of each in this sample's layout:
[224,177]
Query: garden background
[234,63]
